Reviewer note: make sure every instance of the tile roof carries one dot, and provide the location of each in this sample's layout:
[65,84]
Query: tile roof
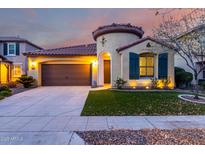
[17,39]
[78,50]
[4,59]
[116,28]
[144,39]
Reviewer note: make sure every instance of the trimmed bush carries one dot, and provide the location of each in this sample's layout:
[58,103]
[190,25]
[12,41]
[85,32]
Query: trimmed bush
[4,88]
[182,78]
[12,84]
[1,97]
[26,81]
[119,83]
[5,93]
[202,83]
[155,83]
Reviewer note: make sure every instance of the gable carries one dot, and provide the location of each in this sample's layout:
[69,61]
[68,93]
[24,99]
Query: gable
[146,46]
[156,43]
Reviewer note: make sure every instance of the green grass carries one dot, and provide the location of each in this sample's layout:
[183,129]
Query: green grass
[112,103]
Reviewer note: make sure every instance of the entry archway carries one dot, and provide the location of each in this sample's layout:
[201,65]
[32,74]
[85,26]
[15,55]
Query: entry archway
[104,69]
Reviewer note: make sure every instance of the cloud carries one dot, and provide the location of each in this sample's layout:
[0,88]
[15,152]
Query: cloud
[52,28]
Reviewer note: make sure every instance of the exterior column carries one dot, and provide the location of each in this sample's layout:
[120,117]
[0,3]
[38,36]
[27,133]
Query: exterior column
[100,81]
[156,66]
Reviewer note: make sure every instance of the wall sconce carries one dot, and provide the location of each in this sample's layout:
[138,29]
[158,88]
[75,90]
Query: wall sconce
[108,54]
[147,87]
[94,62]
[33,65]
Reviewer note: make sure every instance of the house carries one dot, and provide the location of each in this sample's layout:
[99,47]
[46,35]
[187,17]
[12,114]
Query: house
[198,31]
[12,61]
[120,51]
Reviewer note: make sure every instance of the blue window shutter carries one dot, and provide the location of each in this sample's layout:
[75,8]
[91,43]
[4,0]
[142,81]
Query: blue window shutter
[133,66]
[163,66]
[5,49]
[17,49]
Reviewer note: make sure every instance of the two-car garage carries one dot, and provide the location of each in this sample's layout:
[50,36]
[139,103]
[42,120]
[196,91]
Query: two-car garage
[67,66]
[66,74]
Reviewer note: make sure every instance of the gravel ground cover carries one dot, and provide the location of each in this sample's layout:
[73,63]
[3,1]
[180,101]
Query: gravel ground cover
[145,137]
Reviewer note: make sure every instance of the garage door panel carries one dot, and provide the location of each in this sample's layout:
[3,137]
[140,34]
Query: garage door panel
[66,74]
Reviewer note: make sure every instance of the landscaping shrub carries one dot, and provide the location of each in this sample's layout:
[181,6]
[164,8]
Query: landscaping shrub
[155,83]
[202,84]
[166,83]
[5,93]
[1,97]
[4,88]
[161,83]
[12,84]
[182,78]
[26,81]
[119,83]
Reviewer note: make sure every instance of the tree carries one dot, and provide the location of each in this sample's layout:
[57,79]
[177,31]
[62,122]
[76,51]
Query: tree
[187,35]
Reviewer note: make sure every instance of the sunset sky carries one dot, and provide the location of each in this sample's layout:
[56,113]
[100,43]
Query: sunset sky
[51,28]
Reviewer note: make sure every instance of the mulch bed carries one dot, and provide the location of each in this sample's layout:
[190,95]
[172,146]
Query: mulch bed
[145,137]
[191,98]
[19,90]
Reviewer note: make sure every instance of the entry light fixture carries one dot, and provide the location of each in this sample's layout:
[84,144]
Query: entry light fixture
[94,62]
[147,87]
[33,65]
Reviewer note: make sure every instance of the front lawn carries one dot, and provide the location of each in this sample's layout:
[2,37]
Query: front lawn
[113,103]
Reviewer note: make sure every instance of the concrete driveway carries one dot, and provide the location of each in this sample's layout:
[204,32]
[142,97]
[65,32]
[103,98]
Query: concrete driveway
[45,101]
[44,110]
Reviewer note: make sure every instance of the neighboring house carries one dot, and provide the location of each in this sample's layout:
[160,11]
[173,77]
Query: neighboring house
[180,62]
[13,62]
[120,51]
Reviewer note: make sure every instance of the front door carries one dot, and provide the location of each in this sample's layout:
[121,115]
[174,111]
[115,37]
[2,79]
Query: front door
[106,71]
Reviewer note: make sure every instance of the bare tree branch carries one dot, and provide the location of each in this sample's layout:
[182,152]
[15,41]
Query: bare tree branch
[187,34]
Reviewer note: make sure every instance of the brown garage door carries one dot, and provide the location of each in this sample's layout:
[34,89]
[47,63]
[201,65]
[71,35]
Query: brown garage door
[66,74]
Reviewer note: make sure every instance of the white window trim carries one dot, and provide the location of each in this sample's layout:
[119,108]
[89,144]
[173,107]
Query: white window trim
[21,65]
[8,54]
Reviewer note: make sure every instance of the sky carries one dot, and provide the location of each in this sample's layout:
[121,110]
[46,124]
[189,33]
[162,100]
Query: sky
[53,28]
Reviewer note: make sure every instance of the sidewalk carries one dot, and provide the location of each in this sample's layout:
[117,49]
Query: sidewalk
[89,123]
[61,130]
[134,122]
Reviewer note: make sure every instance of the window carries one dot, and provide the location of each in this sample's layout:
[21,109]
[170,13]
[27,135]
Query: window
[17,70]
[146,65]
[11,49]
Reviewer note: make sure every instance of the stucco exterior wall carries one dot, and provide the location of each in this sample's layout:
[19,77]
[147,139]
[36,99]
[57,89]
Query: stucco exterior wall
[112,42]
[39,60]
[141,48]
